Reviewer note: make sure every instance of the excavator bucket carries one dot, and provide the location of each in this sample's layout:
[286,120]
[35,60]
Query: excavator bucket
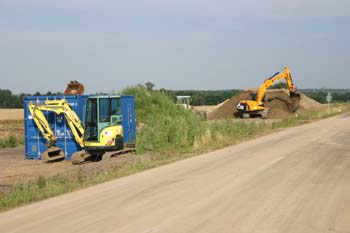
[74,88]
[52,154]
[294,103]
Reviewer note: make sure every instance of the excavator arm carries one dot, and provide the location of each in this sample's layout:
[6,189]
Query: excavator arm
[42,124]
[276,77]
[59,107]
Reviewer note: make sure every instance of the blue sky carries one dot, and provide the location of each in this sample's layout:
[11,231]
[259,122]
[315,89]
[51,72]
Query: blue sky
[191,44]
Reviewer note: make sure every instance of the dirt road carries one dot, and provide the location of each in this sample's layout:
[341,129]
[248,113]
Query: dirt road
[296,180]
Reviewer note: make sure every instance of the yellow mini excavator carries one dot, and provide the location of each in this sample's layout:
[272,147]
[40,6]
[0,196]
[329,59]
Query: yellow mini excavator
[255,105]
[101,132]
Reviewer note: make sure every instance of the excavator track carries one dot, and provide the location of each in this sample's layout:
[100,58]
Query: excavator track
[79,157]
[83,156]
[123,151]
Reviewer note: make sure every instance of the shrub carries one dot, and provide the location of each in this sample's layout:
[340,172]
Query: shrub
[166,126]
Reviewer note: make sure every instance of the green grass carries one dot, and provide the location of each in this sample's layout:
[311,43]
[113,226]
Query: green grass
[11,140]
[165,126]
[166,133]
[11,133]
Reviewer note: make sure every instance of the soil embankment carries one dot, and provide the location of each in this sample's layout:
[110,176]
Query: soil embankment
[275,100]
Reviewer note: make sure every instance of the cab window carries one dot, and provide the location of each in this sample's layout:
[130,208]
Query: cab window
[104,115]
[115,106]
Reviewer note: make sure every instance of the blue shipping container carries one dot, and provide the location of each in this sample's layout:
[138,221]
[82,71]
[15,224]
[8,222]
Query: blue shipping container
[35,143]
[128,120]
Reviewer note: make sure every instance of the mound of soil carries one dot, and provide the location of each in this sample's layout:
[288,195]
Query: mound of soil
[310,104]
[275,100]
[227,108]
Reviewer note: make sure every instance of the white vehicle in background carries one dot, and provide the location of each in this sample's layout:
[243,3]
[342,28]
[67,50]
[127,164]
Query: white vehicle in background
[184,100]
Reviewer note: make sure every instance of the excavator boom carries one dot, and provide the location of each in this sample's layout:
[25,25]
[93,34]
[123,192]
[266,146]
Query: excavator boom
[42,124]
[276,77]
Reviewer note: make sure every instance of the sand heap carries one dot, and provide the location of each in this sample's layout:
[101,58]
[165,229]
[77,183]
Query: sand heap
[275,100]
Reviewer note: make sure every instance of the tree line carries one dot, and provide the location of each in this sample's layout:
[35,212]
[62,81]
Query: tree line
[208,97]
[321,96]
[10,100]
[198,97]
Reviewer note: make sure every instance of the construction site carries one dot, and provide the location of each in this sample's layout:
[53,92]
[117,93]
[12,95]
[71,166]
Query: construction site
[26,177]
[264,102]
[74,141]
[36,159]
[277,105]
[174,116]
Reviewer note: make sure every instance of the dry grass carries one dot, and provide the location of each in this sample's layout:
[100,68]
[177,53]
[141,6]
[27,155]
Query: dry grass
[11,114]
[206,108]
[11,133]
[11,127]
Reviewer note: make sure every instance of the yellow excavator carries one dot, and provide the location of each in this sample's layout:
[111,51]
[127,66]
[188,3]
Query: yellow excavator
[102,131]
[255,105]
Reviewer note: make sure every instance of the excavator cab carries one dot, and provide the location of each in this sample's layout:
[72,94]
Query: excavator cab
[103,123]
[254,95]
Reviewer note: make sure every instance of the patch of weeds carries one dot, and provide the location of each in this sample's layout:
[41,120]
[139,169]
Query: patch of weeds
[41,182]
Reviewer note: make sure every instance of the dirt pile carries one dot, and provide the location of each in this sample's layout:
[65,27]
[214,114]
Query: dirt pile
[227,108]
[310,104]
[275,100]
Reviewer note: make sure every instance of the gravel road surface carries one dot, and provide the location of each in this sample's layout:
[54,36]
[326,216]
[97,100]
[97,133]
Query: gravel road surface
[296,180]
